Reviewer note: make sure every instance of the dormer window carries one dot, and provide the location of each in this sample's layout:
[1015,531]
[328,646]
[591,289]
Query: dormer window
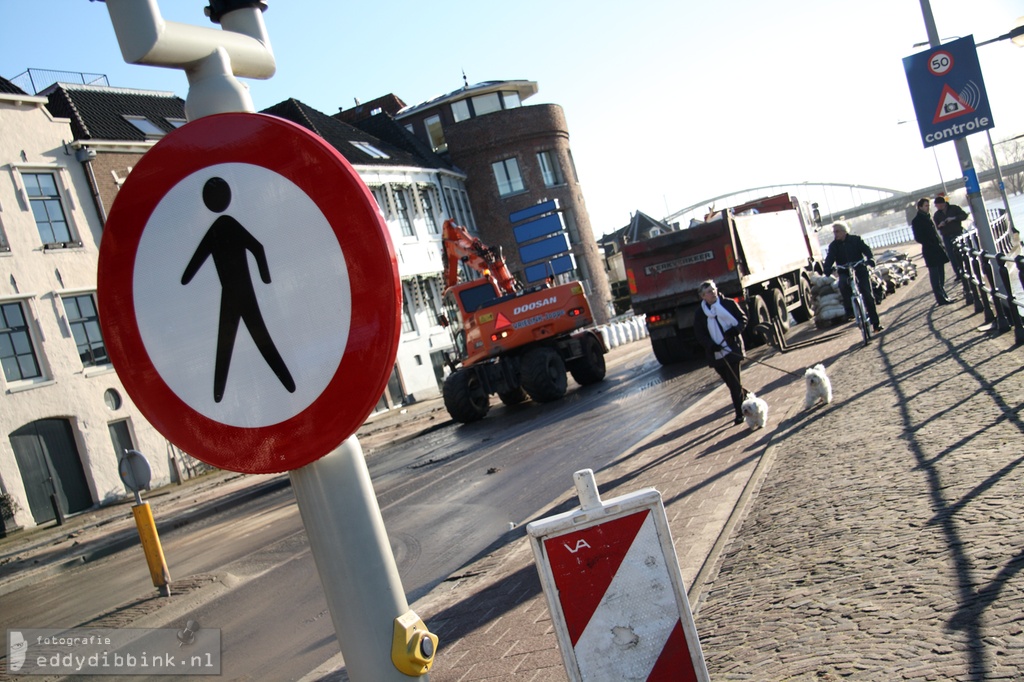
[145,126]
[368,149]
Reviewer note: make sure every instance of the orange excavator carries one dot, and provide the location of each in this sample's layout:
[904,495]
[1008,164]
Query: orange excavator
[509,340]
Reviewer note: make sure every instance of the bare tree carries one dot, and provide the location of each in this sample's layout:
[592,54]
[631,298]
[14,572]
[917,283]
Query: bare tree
[1009,151]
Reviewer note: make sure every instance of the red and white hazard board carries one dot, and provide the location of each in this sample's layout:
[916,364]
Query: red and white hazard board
[612,582]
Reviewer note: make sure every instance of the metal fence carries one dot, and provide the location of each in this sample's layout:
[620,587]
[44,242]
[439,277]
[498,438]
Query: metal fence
[989,284]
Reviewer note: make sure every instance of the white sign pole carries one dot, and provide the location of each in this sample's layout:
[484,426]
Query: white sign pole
[354,559]
[336,500]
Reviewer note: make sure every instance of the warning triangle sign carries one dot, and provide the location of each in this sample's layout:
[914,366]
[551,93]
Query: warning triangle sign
[950,106]
[501,322]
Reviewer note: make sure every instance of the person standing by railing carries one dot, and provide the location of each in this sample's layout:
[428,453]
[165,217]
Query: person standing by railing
[935,258]
[949,219]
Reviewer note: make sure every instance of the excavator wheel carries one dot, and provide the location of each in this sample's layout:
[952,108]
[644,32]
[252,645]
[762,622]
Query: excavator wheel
[464,397]
[515,396]
[590,368]
[543,374]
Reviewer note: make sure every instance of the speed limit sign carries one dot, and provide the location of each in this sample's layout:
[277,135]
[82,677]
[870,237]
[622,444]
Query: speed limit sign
[940,63]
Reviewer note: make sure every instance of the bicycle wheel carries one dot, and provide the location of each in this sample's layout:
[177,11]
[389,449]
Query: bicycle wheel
[862,318]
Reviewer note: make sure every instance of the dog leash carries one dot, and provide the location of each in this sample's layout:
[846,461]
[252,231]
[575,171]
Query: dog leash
[760,362]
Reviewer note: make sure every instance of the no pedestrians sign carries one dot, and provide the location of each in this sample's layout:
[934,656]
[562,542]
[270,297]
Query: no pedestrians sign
[249,293]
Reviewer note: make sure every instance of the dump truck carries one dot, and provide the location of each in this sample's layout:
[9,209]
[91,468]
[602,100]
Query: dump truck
[762,253]
[509,340]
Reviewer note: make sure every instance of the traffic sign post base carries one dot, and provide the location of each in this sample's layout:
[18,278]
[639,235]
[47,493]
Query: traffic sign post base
[353,557]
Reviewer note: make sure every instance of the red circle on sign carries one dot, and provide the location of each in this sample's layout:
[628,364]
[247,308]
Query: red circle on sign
[940,63]
[328,180]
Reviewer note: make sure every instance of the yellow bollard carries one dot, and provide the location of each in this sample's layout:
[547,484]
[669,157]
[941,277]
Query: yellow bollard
[151,546]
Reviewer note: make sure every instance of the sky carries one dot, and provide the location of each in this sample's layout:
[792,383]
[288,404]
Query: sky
[668,103]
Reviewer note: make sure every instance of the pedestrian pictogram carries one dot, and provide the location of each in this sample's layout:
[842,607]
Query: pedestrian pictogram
[228,244]
[248,293]
[612,582]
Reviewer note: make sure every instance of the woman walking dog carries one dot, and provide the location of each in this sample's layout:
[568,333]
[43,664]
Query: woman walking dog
[718,326]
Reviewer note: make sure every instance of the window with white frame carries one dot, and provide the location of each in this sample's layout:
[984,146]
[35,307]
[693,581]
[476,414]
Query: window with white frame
[145,126]
[468,218]
[431,289]
[427,200]
[4,244]
[436,133]
[402,209]
[176,122]
[550,171]
[460,110]
[506,174]
[368,149]
[17,351]
[381,197]
[486,104]
[85,328]
[407,322]
[48,209]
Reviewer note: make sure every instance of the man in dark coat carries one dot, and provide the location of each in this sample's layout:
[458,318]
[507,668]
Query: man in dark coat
[949,219]
[848,248]
[718,325]
[934,255]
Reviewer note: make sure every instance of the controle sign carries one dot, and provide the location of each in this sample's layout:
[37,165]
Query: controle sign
[249,294]
[948,91]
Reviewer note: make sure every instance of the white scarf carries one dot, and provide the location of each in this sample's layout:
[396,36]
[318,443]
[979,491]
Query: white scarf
[719,319]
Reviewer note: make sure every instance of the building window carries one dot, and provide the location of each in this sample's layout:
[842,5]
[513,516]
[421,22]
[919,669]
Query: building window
[435,133]
[427,199]
[17,354]
[432,299]
[486,104]
[460,110]
[549,169]
[47,208]
[468,217]
[4,244]
[368,149]
[145,126]
[407,323]
[176,122]
[402,208]
[506,173]
[381,199]
[85,327]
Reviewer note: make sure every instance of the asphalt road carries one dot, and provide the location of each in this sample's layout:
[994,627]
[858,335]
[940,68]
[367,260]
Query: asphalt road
[446,498]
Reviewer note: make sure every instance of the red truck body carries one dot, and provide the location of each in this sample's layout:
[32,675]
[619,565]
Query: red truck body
[761,253]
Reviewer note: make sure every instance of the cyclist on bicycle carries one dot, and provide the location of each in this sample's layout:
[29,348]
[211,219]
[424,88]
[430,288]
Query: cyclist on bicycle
[849,248]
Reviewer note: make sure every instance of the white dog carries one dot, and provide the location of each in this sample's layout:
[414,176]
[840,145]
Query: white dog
[818,386]
[755,411]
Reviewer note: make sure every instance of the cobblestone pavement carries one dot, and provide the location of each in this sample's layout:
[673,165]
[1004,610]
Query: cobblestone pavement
[886,541]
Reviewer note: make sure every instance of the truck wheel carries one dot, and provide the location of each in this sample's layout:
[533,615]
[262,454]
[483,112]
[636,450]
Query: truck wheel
[514,397]
[543,374]
[806,310]
[464,397]
[669,350]
[778,309]
[590,368]
[757,311]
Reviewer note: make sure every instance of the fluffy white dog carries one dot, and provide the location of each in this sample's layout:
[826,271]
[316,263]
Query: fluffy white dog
[818,386]
[755,411]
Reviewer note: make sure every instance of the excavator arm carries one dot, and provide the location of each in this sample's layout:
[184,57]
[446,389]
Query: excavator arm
[459,245]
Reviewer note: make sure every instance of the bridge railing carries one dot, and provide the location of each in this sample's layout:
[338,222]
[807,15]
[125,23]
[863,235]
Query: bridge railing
[893,236]
[1001,310]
